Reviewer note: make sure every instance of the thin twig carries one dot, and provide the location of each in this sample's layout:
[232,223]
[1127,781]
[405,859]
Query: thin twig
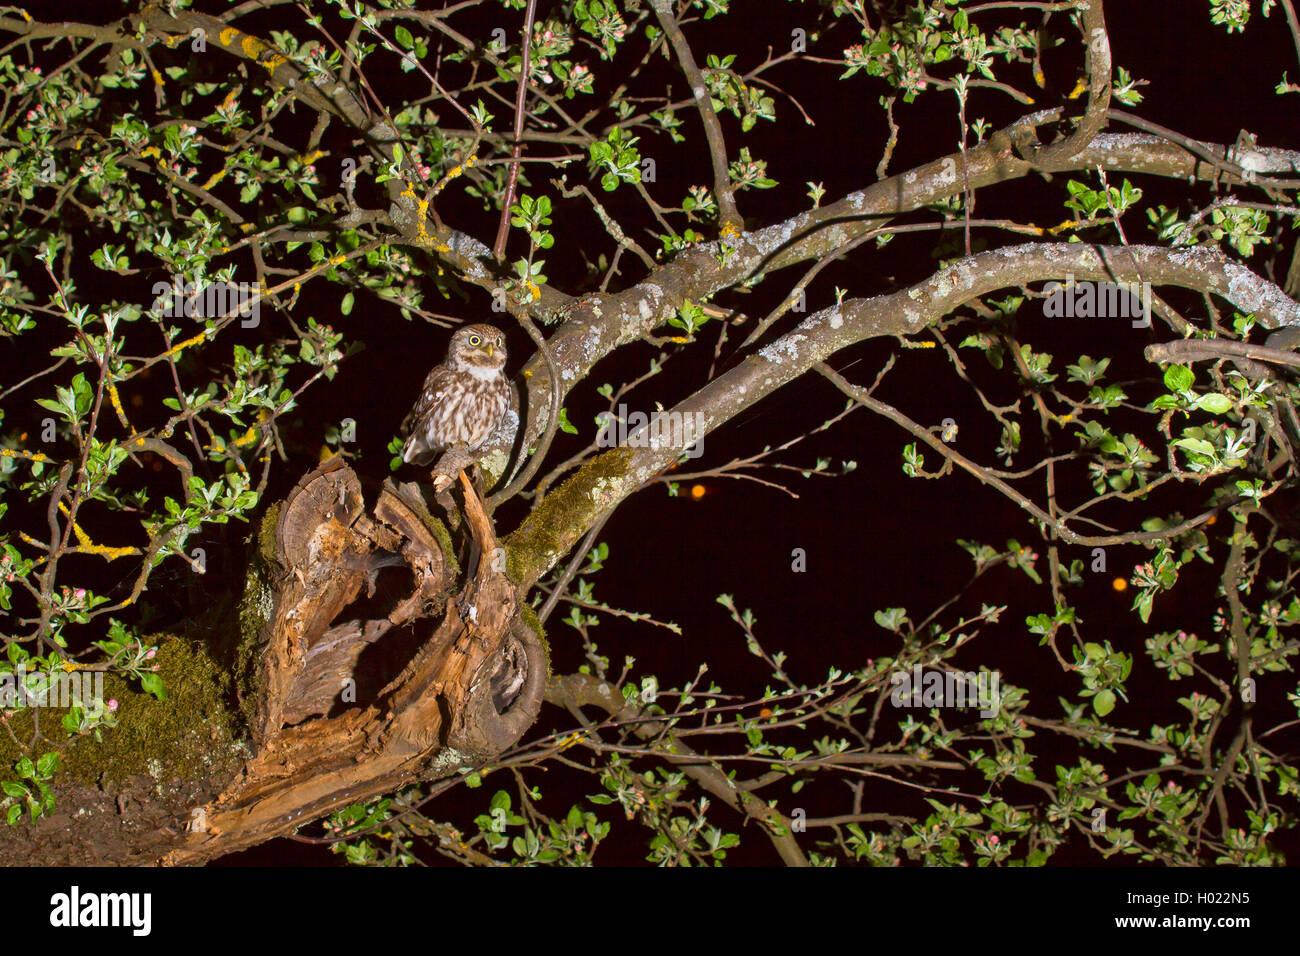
[503,228]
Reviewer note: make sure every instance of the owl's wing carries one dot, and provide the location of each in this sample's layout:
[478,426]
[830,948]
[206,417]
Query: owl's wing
[415,450]
[434,383]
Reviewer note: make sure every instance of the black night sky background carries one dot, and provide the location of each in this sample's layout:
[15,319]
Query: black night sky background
[874,538]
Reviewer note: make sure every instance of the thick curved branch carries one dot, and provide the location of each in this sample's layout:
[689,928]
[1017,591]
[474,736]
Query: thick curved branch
[1099,70]
[558,523]
[598,325]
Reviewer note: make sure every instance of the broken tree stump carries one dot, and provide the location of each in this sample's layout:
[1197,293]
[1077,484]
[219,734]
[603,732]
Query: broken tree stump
[473,687]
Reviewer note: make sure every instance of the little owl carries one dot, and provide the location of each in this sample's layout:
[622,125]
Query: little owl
[464,398]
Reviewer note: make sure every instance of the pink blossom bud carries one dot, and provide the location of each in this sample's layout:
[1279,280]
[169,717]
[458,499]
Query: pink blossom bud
[112,704]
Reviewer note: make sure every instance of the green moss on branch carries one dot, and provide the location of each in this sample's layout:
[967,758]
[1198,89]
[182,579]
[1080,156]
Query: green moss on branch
[563,517]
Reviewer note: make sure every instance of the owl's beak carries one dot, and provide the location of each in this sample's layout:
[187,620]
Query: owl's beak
[489,351]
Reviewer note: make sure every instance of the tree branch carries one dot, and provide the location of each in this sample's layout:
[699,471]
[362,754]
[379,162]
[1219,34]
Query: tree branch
[729,218]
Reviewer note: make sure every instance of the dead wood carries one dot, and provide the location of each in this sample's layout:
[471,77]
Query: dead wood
[470,691]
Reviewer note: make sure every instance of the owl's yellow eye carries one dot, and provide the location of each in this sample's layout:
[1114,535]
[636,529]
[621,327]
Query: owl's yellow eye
[475,341]
[501,343]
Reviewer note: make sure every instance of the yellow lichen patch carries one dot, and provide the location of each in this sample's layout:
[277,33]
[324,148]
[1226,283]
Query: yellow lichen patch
[729,231]
[86,546]
[422,230]
[116,401]
[214,179]
[1079,89]
[246,438]
[273,62]
[181,346]
[452,173]
[572,740]
[157,78]
[227,36]
[19,453]
[311,157]
[252,47]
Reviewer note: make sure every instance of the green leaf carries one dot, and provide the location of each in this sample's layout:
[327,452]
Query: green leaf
[1104,703]
[153,684]
[1179,378]
[891,619]
[1214,403]
[1198,445]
